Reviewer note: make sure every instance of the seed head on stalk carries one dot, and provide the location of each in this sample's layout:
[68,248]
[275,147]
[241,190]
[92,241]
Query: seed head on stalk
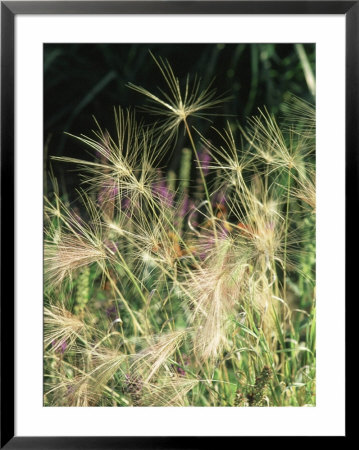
[281,150]
[178,103]
[124,168]
[149,361]
[72,245]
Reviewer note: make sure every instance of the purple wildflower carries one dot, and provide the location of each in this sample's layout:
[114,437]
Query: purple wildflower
[108,192]
[127,206]
[125,203]
[205,160]
[111,313]
[208,242]
[77,221]
[220,198]
[206,246]
[183,211]
[111,245]
[180,370]
[59,347]
[160,190]
[185,206]
[71,389]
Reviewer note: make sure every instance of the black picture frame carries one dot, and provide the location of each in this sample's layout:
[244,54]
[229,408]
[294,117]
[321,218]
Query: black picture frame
[9,10]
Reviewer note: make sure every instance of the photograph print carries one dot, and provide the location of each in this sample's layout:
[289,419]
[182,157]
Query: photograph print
[179,225]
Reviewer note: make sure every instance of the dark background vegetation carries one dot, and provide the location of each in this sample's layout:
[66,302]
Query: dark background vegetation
[85,80]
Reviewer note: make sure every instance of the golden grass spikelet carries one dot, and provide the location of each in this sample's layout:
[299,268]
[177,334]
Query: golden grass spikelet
[178,103]
[74,243]
[278,149]
[215,291]
[70,253]
[156,243]
[79,385]
[306,191]
[61,326]
[105,364]
[148,362]
[259,223]
[232,164]
[79,393]
[300,116]
[170,390]
[75,392]
[260,298]
[126,162]
[267,233]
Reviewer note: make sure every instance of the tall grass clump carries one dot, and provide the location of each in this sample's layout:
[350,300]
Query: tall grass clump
[194,288]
